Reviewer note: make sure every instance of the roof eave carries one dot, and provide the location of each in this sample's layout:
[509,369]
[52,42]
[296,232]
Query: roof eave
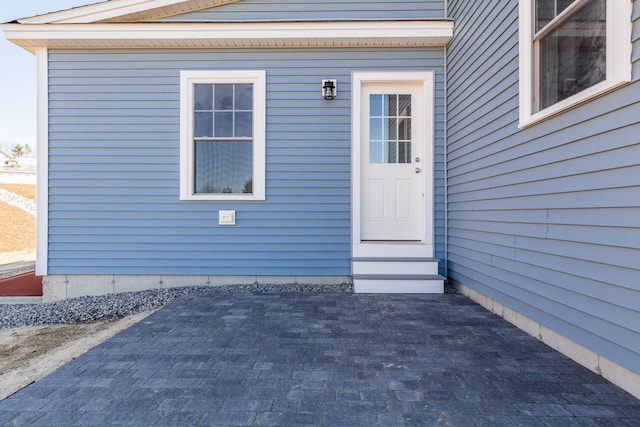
[340,34]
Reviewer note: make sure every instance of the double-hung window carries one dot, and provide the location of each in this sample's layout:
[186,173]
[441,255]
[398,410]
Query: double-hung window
[222,135]
[570,52]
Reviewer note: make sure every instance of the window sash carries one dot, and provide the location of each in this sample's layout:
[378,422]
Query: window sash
[568,62]
[559,19]
[214,173]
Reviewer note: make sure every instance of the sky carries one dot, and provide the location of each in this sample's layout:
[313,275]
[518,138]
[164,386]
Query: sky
[18,73]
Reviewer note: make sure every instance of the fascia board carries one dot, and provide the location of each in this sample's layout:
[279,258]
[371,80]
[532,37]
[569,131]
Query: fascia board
[254,34]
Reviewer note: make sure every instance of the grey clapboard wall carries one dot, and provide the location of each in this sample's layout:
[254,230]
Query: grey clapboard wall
[296,10]
[114,164]
[545,220]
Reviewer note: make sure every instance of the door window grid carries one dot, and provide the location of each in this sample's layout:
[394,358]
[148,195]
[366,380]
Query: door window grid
[390,128]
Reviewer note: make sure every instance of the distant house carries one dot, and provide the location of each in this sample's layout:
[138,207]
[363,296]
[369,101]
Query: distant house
[7,160]
[388,144]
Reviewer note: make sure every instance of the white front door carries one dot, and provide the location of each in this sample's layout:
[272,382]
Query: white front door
[392,156]
[393,164]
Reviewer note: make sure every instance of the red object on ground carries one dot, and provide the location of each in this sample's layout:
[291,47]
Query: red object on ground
[22,285]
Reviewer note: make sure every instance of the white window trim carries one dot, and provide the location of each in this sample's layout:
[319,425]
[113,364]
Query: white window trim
[187,81]
[618,64]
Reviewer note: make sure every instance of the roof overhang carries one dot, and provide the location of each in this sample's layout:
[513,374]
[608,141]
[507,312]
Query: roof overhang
[340,34]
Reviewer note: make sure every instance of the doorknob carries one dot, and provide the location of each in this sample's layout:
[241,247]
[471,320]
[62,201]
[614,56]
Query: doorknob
[418,170]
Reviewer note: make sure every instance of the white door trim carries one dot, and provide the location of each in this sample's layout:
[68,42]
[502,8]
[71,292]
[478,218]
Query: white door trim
[424,248]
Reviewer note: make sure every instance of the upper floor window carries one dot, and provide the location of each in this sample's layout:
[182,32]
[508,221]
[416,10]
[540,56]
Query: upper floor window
[223,137]
[571,51]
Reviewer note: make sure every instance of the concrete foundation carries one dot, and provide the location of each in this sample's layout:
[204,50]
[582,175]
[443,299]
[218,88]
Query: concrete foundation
[59,287]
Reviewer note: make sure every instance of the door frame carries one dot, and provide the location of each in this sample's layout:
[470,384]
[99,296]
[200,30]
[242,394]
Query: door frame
[425,247]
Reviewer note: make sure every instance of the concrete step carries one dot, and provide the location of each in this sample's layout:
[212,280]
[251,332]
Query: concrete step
[398,284]
[395,266]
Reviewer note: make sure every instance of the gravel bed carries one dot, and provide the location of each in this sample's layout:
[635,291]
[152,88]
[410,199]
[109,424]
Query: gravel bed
[116,306]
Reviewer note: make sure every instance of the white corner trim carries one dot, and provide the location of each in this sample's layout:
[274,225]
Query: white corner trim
[613,372]
[113,9]
[525,54]
[232,35]
[42,222]
[618,61]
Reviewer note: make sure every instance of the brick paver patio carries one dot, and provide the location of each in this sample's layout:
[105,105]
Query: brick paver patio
[322,359]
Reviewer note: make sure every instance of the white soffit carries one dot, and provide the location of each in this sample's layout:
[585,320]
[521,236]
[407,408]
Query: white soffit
[124,11]
[232,35]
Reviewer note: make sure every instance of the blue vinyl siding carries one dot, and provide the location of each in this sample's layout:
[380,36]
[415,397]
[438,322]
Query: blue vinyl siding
[295,10]
[546,219]
[114,164]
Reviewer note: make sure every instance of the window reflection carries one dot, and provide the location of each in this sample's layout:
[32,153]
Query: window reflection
[573,55]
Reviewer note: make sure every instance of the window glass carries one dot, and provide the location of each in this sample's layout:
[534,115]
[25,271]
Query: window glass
[223,124]
[404,105]
[375,105]
[244,97]
[390,128]
[546,10]
[223,128]
[203,95]
[203,124]
[223,97]
[223,167]
[573,55]
[243,124]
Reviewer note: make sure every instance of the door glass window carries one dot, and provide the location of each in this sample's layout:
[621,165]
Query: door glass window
[390,128]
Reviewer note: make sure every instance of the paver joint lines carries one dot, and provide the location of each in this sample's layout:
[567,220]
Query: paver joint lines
[321,359]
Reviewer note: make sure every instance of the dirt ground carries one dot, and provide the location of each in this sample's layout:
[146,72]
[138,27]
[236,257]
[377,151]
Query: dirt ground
[21,344]
[30,353]
[17,228]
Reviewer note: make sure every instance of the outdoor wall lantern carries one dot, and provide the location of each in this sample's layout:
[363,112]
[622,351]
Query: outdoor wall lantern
[329,89]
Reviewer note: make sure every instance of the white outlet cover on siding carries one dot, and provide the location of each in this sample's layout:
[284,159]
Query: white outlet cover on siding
[227,218]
